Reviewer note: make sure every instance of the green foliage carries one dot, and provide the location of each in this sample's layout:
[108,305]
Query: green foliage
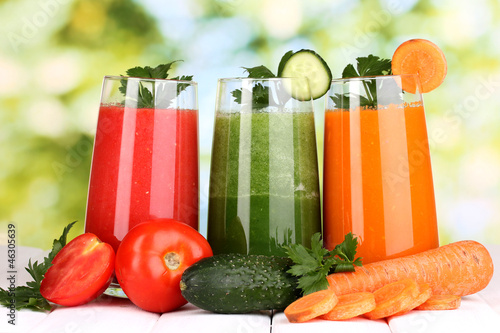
[146,98]
[259,72]
[366,66]
[260,92]
[313,265]
[113,25]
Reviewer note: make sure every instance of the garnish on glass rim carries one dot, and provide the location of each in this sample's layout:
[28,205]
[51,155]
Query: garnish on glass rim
[303,64]
[366,66]
[147,98]
[312,266]
[421,57]
[29,297]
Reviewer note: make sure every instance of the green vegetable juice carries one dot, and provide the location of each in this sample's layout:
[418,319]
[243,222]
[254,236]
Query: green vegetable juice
[264,188]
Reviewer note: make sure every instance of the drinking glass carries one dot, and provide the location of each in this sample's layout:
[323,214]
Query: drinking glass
[145,157]
[377,167]
[264,186]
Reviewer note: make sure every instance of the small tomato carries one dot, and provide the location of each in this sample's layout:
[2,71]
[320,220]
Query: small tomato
[151,259]
[80,272]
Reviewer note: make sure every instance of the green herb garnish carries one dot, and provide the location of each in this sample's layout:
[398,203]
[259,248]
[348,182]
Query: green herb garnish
[260,93]
[29,297]
[312,266]
[366,66]
[147,98]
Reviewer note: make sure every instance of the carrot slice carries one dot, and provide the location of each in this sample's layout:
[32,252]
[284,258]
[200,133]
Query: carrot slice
[393,298]
[425,293]
[311,306]
[351,305]
[441,302]
[422,57]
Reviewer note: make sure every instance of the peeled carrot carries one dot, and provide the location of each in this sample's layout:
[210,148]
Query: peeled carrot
[425,292]
[441,302]
[422,57]
[311,306]
[460,268]
[350,306]
[393,298]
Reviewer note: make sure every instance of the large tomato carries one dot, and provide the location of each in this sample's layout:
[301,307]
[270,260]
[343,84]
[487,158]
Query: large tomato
[151,259]
[80,271]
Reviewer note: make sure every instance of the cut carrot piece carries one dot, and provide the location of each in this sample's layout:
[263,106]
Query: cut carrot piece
[441,302]
[351,305]
[421,57]
[393,298]
[425,293]
[311,306]
[461,268]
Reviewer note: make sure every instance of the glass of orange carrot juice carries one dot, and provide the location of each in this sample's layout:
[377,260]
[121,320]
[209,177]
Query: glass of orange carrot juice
[377,168]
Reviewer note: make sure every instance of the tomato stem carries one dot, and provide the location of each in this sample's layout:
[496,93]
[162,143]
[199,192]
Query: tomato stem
[172,260]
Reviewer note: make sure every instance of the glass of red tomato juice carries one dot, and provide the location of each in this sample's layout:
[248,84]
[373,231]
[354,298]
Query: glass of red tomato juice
[377,168]
[145,157]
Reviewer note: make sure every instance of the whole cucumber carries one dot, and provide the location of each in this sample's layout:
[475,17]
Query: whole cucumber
[238,283]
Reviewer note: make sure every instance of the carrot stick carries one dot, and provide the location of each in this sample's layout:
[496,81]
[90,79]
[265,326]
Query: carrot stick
[393,298]
[425,292]
[441,302]
[311,306]
[350,306]
[460,268]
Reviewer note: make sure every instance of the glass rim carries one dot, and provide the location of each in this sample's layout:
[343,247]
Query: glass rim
[234,79]
[121,77]
[360,78]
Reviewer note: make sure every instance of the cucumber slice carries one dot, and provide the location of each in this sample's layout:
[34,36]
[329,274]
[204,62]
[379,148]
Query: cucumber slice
[307,63]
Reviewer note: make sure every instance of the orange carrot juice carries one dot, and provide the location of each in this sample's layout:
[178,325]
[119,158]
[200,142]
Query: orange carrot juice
[378,181]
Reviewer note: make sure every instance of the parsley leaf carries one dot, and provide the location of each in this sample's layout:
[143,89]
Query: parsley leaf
[29,297]
[147,98]
[259,72]
[261,97]
[313,265]
[373,65]
[366,66]
[139,72]
[182,86]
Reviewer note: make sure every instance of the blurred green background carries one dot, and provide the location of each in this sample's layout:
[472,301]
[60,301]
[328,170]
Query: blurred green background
[54,54]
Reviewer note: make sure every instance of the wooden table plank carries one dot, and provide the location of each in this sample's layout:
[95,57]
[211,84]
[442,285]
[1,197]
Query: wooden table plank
[474,315]
[107,314]
[357,325]
[192,319]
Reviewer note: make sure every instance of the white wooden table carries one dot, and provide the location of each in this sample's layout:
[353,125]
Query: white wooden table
[478,313]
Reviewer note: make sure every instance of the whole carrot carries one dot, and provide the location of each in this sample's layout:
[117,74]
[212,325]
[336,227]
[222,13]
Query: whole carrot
[460,268]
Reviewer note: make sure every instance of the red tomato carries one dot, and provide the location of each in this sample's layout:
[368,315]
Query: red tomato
[151,259]
[80,272]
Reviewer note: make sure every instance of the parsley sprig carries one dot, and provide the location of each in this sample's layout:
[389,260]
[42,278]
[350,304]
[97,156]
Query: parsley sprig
[156,97]
[29,297]
[260,93]
[366,66]
[313,265]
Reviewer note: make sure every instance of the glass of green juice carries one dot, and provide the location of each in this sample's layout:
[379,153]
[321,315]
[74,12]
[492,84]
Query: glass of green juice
[264,185]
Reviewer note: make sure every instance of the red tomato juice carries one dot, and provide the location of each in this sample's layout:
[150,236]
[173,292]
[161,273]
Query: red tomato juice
[144,166]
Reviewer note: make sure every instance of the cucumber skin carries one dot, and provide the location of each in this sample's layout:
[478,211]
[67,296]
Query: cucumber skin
[238,283]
